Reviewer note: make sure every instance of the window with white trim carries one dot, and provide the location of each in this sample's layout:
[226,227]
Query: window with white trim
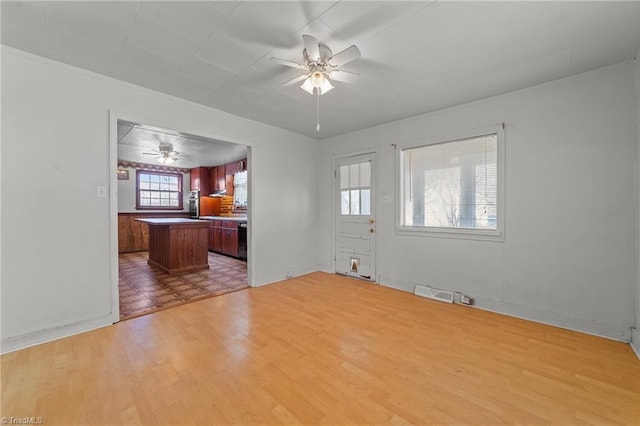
[451,186]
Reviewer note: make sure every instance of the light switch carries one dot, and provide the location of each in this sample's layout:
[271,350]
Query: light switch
[101,191]
[386,199]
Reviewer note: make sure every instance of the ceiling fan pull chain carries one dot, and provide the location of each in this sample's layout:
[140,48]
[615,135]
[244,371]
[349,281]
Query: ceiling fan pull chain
[317,110]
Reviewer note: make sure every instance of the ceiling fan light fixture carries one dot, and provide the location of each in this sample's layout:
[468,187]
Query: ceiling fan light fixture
[308,86]
[317,81]
[325,87]
[165,160]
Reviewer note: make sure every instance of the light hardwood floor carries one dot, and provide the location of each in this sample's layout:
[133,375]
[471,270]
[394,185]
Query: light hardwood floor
[324,349]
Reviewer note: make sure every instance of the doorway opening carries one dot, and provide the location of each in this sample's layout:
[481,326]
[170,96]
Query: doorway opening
[182,207]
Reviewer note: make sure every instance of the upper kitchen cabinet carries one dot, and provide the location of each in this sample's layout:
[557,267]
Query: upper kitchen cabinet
[200,179]
[218,178]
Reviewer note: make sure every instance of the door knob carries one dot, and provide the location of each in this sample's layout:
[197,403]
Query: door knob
[372,221]
[372,230]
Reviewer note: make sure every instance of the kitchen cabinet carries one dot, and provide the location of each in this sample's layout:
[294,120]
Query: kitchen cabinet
[229,185]
[224,236]
[201,180]
[177,245]
[134,235]
[218,181]
[215,234]
[229,239]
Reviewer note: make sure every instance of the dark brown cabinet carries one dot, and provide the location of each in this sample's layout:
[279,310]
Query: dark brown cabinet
[229,239]
[215,234]
[223,236]
[200,179]
[217,178]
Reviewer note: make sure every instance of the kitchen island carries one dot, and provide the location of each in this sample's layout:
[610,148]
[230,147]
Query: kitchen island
[178,245]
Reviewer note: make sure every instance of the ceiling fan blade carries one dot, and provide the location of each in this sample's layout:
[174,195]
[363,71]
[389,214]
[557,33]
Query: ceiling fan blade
[150,153]
[311,45]
[295,80]
[288,63]
[344,76]
[349,54]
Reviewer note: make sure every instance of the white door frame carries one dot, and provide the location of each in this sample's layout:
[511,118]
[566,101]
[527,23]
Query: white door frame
[114,116]
[336,159]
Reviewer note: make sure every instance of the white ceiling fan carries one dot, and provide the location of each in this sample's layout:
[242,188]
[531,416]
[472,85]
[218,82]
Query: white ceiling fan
[321,65]
[164,154]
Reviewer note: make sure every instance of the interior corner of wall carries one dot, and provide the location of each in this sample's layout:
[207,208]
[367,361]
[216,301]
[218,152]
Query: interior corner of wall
[635,341]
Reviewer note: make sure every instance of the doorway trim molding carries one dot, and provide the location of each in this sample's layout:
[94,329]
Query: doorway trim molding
[114,116]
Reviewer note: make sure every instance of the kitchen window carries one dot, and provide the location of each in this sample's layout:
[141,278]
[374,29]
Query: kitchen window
[453,188]
[158,191]
[240,186]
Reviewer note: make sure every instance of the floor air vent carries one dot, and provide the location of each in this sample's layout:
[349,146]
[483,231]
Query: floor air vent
[434,293]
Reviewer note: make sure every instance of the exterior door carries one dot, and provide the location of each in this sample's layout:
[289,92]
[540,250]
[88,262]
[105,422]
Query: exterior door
[355,217]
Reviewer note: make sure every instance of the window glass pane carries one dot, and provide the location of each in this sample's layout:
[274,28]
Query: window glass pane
[452,184]
[155,194]
[355,201]
[154,178]
[365,174]
[344,202]
[365,201]
[144,202]
[354,177]
[344,177]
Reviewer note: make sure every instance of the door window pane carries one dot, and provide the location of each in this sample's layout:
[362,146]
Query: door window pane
[354,175]
[344,177]
[355,201]
[365,174]
[365,202]
[344,202]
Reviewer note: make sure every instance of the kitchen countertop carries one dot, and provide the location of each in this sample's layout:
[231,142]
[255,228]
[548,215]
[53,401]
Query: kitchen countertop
[170,221]
[234,218]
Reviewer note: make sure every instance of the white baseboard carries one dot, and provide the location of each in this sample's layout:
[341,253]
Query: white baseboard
[619,332]
[12,344]
[271,279]
[635,341]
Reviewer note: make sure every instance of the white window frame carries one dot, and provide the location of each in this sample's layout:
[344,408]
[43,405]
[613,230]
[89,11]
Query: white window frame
[460,233]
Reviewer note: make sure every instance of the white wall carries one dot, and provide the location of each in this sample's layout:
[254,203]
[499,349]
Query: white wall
[56,232]
[568,254]
[127,193]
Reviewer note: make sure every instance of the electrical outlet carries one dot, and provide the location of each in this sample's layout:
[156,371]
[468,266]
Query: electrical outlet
[464,299]
[288,274]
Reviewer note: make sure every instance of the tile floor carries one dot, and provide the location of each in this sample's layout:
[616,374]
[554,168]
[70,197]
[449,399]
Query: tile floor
[145,288]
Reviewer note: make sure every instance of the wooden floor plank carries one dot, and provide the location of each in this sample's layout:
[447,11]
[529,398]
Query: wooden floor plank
[324,349]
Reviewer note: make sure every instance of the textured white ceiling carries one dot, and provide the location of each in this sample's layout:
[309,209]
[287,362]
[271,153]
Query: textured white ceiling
[137,141]
[417,57]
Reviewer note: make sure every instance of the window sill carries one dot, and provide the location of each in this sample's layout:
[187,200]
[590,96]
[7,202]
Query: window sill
[461,234]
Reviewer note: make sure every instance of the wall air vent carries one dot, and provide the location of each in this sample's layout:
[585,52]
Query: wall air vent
[434,293]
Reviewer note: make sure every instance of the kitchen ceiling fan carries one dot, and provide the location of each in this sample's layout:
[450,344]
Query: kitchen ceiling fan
[164,154]
[321,65]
